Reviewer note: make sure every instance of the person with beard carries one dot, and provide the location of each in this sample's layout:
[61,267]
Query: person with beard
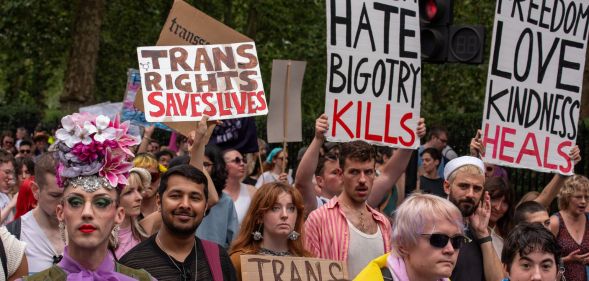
[357,233]
[464,183]
[175,253]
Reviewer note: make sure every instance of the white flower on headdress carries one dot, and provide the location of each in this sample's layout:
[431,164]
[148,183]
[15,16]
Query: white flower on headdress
[103,131]
[85,132]
[68,134]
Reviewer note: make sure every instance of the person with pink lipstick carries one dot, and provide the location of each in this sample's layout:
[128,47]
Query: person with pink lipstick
[428,232]
[571,227]
[93,154]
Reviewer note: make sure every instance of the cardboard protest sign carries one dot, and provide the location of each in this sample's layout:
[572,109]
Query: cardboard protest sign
[129,111]
[284,116]
[373,90]
[183,83]
[184,23]
[534,84]
[105,108]
[273,268]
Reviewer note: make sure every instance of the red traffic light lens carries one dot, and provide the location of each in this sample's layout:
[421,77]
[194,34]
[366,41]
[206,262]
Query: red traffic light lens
[431,9]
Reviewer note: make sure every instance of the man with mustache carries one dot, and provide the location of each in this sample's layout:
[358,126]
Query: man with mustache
[175,253]
[464,179]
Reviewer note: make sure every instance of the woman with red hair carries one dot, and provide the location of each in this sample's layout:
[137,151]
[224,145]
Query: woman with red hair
[273,225]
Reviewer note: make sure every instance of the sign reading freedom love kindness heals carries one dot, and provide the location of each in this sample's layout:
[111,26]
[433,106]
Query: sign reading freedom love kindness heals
[373,90]
[183,83]
[534,83]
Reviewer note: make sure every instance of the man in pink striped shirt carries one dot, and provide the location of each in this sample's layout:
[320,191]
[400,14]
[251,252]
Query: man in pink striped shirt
[346,228]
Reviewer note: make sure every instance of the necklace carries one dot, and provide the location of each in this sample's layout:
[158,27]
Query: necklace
[185,274]
[363,226]
[269,252]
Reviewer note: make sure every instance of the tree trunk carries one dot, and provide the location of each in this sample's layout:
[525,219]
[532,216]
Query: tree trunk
[252,19]
[228,17]
[81,67]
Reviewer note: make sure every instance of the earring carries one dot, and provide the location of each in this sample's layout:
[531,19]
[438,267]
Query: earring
[294,235]
[258,234]
[61,227]
[115,236]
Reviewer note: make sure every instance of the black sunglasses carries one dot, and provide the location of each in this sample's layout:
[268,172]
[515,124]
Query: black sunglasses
[238,161]
[440,240]
[154,176]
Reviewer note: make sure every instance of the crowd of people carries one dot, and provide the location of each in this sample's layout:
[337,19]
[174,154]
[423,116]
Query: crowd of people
[89,201]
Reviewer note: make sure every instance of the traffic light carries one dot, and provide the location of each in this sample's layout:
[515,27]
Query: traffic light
[466,44]
[443,42]
[435,18]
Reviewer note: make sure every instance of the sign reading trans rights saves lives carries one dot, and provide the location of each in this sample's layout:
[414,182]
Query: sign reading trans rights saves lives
[534,83]
[373,90]
[183,83]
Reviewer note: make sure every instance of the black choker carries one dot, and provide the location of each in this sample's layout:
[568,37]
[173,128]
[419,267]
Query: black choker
[268,252]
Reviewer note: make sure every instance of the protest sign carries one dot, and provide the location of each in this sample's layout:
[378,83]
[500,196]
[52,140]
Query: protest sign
[534,84]
[373,90]
[273,268]
[129,111]
[184,23]
[183,83]
[284,116]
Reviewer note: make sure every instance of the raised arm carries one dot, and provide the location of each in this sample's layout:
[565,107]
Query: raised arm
[308,165]
[392,170]
[551,190]
[479,222]
[200,137]
[147,133]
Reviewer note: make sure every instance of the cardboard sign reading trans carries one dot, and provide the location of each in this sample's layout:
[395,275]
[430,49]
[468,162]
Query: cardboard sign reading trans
[184,23]
[183,83]
[533,92]
[273,268]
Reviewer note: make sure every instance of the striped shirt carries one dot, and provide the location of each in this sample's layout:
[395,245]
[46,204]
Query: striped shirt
[327,234]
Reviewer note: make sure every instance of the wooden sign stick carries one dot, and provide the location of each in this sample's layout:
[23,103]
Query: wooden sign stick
[285,112]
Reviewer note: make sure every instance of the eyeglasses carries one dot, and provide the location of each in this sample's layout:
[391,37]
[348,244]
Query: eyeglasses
[8,142]
[280,158]
[154,176]
[76,202]
[238,161]
[25,151]
[207,165]
[439,240]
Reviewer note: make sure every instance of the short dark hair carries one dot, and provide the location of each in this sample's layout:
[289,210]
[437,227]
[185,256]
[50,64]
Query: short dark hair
[187,171]
[356,150]
[433,152]
[329,156]
[528,207]
[219,171]
[436,132]
[164,152]
[527,238]
[26,142]
[45,164]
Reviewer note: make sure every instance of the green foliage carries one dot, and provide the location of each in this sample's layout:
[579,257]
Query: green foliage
[35,39]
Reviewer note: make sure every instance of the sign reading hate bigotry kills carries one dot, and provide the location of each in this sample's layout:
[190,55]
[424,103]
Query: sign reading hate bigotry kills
[183,83]
[534,84]
[373,90]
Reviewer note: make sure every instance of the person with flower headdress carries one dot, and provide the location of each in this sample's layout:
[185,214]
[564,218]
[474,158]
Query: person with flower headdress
[276,163]
[93,166]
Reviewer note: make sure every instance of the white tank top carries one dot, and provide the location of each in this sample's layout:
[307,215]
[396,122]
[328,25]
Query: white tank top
[242,203]
[362,249]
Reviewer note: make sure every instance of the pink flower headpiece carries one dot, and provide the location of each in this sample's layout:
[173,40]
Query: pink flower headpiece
[93,151]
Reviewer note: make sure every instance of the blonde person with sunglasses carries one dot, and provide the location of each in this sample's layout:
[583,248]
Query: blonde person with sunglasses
[93,167]
[428,232]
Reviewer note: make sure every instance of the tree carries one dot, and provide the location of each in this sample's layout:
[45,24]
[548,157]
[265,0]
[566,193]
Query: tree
[81,68]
